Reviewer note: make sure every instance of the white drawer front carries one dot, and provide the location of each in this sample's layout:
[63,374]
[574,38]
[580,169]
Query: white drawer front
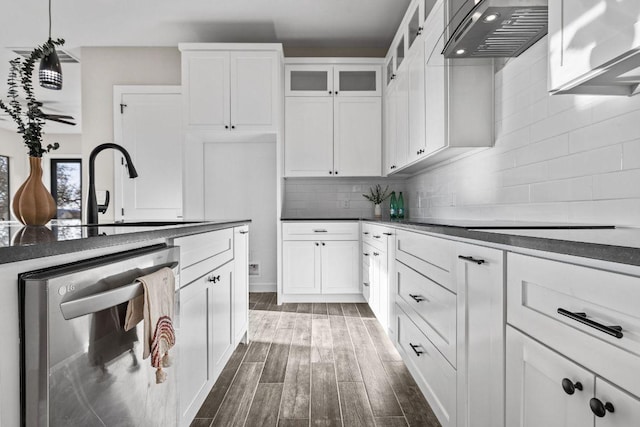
[320,230]
[537,288]
[430,306]
[431,256]
[215,247]
[437,379]
[376,236]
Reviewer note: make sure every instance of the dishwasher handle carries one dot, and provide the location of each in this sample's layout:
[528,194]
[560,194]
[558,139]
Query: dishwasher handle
[103,300]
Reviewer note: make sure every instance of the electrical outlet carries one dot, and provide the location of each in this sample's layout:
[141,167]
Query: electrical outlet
[254,269]
[344,204]
[356,189]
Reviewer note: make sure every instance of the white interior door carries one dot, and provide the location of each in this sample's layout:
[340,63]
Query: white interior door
[149,127]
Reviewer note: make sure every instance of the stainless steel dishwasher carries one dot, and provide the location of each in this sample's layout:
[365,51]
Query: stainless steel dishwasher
[79,366]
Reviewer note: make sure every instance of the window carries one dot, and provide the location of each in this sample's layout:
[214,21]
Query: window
[4,188]
[66,187]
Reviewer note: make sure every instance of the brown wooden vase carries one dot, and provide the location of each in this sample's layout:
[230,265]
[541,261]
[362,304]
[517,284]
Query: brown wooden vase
[32,203]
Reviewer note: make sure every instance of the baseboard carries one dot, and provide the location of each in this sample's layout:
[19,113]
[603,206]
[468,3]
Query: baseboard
[263,287]
[321,298]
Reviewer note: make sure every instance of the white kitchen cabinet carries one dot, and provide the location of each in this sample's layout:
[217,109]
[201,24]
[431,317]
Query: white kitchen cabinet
[333,80]
[241,284]
[320,259]
[309,136]
[231,90]
[195,374]
[458,94]
[320,267]
[390,102]
[535,395]
[357,139]
[333,120]
[480,336]
[301,270]
[221,315]
[416,100]
[592,47]
[339,261]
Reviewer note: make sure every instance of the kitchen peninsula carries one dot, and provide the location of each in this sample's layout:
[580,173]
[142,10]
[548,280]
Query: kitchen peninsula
[211,252]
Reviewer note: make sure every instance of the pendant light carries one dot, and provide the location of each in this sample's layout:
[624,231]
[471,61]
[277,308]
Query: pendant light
[50,74]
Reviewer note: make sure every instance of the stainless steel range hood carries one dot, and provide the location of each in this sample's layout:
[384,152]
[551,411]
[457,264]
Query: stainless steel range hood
[494,28]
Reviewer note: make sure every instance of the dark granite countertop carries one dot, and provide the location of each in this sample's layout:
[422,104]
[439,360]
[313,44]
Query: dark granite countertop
[19,243]
[596,241]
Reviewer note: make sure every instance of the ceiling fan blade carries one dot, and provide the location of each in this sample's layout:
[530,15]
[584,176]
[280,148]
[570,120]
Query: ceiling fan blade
[56,116]
[59,120]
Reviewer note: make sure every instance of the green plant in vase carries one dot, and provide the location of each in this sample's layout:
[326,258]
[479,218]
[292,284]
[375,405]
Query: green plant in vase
[32,203]
[377,195]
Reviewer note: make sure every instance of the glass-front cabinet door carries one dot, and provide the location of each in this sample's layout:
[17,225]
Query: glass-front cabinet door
[390,71]
[309,80]
[400,52]
[357,80]
[414,25]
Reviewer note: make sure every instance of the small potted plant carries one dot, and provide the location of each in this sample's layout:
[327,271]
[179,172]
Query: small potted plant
[377,195]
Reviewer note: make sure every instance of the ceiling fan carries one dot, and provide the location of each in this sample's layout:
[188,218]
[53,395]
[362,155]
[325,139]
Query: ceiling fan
[59,118]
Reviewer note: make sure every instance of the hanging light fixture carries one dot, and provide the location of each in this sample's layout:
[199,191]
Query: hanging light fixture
[50,74]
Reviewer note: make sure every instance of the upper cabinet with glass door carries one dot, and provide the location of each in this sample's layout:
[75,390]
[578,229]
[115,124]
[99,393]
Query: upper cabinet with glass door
[332,80]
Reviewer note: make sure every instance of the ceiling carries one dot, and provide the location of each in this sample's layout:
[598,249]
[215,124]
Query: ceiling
[295,23]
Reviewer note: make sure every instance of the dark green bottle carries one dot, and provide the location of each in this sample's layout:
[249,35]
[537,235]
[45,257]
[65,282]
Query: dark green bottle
[400,207]
[393,207]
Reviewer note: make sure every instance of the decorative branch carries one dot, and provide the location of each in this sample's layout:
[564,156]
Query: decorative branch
[377,195]
[20,77]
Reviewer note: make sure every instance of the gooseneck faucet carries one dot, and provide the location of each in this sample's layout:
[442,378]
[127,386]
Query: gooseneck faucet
[92,203]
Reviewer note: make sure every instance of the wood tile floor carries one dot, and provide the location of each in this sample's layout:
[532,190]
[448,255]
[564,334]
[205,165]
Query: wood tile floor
[314,365]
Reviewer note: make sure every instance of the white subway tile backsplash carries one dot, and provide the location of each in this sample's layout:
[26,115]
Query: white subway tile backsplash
[559,158]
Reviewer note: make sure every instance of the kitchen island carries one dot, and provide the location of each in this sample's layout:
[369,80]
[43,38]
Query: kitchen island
[207,248]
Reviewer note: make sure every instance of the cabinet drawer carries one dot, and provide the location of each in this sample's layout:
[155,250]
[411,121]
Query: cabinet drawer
[538,288]
[376,236]
[216,248]
[320,230]
[431,307]
[435,376]
[430,256]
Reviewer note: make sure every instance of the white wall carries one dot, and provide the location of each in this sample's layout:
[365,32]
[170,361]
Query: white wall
[324,197]
[11,145]
[561,158]
[102,68]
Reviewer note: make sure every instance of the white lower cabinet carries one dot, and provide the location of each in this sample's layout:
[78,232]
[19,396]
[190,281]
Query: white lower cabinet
[213,311]
[320,259]
[546,389]
[194,371]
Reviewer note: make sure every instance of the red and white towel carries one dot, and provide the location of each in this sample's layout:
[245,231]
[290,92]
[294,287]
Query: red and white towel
[155,307]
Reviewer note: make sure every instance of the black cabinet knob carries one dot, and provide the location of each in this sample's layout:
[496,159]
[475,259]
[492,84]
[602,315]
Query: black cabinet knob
[419,31]
[233,127]
[226,126]
[336,172]
[599,409]
[330,172]
[570,387]
[317,244]
[323,244]
[336,92]
[330,92]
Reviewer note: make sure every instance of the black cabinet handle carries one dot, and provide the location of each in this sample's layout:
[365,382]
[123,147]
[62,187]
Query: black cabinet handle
[388,234]
[376,254]
[243,232]
[417,298]
[419,31]
[365,284]
[233,127]
[615,331]
[323,244]
[336,92]
[393,76]
[317,244]
[213,279]
[319,230]
[330,92]
[365,232]
[226,126]
[569,387]
[365,254]
[336,172]
[330,172]
[414,347]
[599,409]
[377,237]
[471,259]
